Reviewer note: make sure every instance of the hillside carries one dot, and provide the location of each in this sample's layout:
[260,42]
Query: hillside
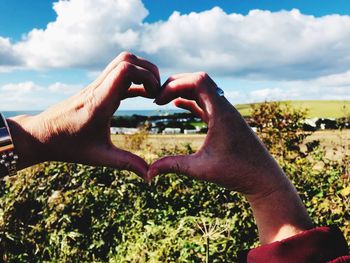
[317,108]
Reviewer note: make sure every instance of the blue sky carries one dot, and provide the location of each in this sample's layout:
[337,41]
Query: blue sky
[282,50]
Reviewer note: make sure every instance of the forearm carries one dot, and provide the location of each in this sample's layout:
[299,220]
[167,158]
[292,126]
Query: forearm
[279,214]
[277,207]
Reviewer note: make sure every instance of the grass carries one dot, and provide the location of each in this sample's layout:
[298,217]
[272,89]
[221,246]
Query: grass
[198,124]
[329,139]
[317,108]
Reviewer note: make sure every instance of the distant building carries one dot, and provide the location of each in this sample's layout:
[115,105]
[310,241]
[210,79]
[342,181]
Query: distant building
[311,122]
[153,131]
[320,123]
[191,131]
[122,130]
[171,131]
[160,121]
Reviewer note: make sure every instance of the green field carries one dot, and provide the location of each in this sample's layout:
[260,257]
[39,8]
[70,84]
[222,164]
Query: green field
[316,108]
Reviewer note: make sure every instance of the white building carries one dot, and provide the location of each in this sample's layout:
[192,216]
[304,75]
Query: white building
[191,131]
[311,122]
[153,131]
[171,131]
[123,130]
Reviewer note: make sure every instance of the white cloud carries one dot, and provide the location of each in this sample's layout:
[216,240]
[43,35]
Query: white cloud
[8,57]
[276,45]
[262,44]
[267,94]
[63,88]
[334,80]
[85,33]
[332,87]
[31,96]
[300,93]
[20,88]
[281,55]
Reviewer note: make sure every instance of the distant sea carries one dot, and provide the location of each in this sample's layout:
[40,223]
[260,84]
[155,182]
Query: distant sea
[8,114]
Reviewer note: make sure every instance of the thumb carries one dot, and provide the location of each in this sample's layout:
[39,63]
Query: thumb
[123,160]
[180,164]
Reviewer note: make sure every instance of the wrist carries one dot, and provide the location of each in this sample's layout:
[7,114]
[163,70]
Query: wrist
[280,213]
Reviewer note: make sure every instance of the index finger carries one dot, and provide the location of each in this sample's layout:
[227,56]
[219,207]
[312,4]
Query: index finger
[130,58]
[195,86]
[136,91]
[136,60]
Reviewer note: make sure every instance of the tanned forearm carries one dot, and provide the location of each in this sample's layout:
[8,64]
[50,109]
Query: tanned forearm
[280,214]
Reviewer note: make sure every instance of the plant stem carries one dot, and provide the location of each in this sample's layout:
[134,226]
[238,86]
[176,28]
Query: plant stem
[207,251]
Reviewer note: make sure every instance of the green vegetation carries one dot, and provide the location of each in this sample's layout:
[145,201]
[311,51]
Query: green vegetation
[199,124]
[316,108]
[59,212]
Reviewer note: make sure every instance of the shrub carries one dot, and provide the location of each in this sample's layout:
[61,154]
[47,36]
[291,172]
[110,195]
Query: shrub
[57,212]
[136,140]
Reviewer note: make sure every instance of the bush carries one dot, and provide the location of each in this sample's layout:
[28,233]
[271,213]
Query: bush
[59,212]
[135,141]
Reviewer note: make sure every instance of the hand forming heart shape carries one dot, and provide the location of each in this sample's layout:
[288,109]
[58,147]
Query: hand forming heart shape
[78,129]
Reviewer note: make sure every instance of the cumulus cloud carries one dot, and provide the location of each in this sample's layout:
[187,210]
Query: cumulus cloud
[277,45]
[85,33]
[262,44]
[20,88]
[299,93]
[8,57]
[293,55]
[332,87]
[29,95]
[63,88]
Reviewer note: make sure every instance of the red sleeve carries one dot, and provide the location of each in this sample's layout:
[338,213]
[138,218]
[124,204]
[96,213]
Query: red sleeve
[322,244]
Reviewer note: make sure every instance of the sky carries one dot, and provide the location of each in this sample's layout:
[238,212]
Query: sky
[255,50]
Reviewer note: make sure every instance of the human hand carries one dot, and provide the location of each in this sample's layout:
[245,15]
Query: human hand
[233,156]
[78,129]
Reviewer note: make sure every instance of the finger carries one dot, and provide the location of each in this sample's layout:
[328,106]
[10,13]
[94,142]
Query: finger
[196,86]
[175,76]
[181,87]
[139,75]
[136,91]
[119,80]
[123,160]
[133,59]
[141,62]
[191,106]
[180,164]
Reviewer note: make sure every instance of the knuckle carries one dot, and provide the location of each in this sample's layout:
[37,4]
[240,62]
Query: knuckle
[204,82]
[127,56]
[202,76]
[155,68]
